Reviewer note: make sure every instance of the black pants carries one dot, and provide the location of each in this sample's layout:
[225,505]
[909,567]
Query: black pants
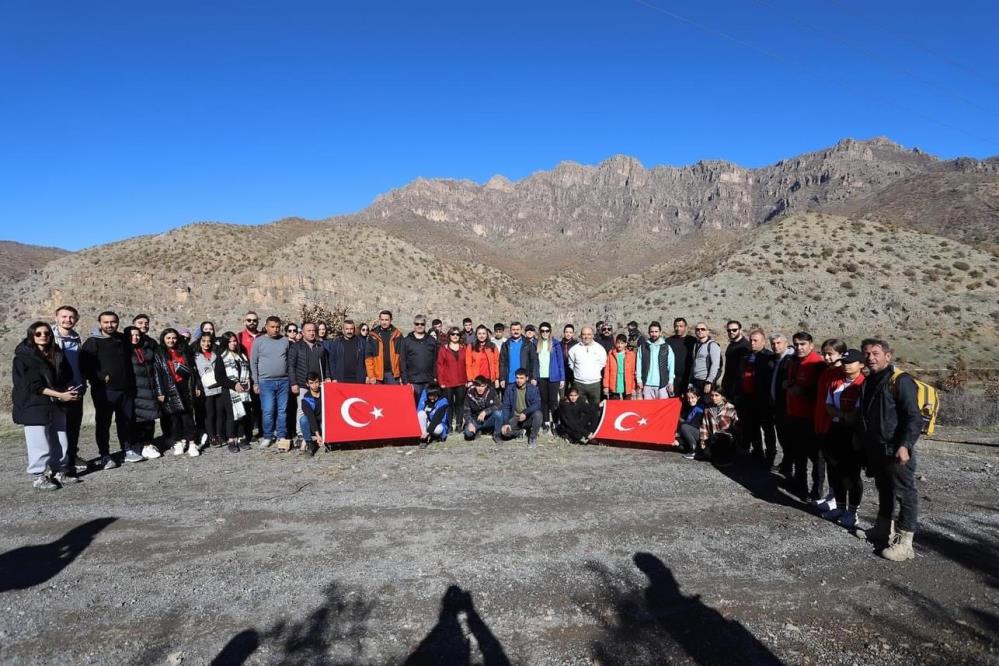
[291,414]
[142,432]
[255,413]
[843,465]
[74,417]
[455,406]
[549,400]
[897,482]
[241,428]
[619,396]
[780,427]
[215,414]
[111,402]
[688,436]
[804,449]
[759,435]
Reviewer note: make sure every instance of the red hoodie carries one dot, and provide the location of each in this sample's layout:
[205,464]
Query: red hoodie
[450,367]
[804,374]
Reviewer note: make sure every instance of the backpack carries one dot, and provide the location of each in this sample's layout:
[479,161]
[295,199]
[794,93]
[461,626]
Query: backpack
[926,398]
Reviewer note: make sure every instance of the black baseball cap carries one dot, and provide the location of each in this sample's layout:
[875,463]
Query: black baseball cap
[852,356]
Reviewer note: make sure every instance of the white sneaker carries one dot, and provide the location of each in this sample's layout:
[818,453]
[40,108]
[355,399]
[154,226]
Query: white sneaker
[193,450]
[204,439]
[178,448]
[264,443]
[150,452]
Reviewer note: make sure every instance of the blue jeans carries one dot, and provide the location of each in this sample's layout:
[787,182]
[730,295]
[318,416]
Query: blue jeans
[274,405]
[303,425]
[492,424]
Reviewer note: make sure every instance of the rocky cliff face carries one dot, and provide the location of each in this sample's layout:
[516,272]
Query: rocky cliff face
[621,197]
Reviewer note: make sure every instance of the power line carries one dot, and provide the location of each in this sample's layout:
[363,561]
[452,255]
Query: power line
[878,58]
[919,45]
[865,95]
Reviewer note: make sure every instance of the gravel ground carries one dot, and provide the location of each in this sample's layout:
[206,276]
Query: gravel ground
[466,554]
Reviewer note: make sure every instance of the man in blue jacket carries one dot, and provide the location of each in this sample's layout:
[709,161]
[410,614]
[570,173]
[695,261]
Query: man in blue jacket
[522,409]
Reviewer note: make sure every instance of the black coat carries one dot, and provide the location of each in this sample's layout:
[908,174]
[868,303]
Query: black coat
[734,353]
[528,360]
[683,358]
[32,373]
[578,419]
[303,359]
[418,359]
[889,418]
[147,387]
[178,398]
[107,356]
[762,366]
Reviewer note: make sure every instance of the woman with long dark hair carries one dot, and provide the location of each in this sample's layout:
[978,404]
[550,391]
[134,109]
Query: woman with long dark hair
[175,371]
[208,388]
[482,358]
[146,406]
[236,374]
[451,377]
[42,380]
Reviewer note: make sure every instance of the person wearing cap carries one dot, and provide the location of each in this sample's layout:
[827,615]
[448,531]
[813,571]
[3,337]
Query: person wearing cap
[418,357]
[531,334]
[843,459]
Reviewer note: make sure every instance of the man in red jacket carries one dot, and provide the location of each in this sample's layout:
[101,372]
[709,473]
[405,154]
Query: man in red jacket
[801,384]
[250,332]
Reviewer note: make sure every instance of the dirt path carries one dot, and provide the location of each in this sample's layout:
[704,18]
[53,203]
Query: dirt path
[566,555]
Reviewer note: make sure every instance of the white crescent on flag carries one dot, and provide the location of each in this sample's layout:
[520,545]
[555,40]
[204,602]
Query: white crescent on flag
[345,412]
[618,422]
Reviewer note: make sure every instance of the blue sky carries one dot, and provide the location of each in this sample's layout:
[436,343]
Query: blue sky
[121,118]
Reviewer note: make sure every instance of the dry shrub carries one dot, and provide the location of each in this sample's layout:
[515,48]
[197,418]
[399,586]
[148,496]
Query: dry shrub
[969,410]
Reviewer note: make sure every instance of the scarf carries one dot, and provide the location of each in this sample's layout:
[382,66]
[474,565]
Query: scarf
[238,370]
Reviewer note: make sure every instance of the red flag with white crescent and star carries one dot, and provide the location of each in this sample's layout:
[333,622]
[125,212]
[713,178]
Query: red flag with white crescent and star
[642,421]
[364,412]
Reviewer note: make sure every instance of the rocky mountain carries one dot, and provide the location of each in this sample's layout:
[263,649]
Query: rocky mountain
[910,254]
[17,262]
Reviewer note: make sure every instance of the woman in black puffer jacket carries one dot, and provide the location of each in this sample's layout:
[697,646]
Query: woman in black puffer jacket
[147,388]
[42,380]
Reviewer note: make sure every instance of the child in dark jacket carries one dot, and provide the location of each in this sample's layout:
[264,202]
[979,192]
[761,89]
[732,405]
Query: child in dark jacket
[688,431]
[579,418]
[311,420]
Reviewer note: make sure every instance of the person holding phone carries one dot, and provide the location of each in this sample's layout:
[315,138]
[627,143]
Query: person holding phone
[42,378]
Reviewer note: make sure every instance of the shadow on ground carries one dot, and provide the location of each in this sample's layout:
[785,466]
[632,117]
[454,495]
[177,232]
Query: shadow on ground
[28,566]
[659,624]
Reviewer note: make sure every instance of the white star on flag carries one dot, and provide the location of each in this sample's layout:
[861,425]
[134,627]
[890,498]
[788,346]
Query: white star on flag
[376,412]
[643,421]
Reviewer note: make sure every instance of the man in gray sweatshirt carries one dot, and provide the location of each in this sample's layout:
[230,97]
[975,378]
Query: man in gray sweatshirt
[707,359]
[269,370]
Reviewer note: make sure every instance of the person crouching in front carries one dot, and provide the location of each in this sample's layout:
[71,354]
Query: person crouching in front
[432,413]
[717,436]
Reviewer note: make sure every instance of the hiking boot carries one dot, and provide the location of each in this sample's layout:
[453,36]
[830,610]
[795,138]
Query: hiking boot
[62,478]
[133,456]
[284,444]
[107,462]
[178,448]
[833,514]
[150,452]
[900,548]
[848,519]
[43,482]
[882,532]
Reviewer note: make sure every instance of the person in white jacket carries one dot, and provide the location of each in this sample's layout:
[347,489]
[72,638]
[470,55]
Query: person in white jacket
[587,361]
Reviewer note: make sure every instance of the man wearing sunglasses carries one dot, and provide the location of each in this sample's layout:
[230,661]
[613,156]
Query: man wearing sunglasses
[418,357]
[605,336]
[738,348]
[707,360]
[250,332]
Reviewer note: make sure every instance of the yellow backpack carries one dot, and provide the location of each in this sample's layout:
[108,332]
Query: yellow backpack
[926,398]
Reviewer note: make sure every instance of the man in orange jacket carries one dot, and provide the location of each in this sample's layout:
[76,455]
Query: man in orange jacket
[382,363]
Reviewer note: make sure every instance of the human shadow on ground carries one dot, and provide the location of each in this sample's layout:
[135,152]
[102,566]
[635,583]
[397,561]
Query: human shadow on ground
[447,642]
[659,624]
[973,548]
[761,483]
[28,566]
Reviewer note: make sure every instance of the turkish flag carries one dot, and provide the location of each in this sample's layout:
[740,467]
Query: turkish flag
[644,421]
[364,412]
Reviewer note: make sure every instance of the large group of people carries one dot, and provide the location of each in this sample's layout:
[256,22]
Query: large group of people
[834,411]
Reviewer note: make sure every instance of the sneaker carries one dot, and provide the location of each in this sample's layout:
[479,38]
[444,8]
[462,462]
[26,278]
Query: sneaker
[233,447]
[312,448]
[150,452]
[532,443]
[193,450]
[833,514]
[43,482]
[107,462]
[848,519]
[825,505]
[264,443]
[62,478]
[689,455]
[133,456]
[204,439]
[178,448]
[245,444]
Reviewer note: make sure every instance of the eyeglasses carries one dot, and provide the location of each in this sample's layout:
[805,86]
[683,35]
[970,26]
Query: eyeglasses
[606,330]
[43,334]
[455,334]
[419,323]
[700,328]
[733,330]
[545,330]
[252,321]
[293,330]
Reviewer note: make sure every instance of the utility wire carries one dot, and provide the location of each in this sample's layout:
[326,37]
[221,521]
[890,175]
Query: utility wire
[957,64]
[865,95]
[802,26]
